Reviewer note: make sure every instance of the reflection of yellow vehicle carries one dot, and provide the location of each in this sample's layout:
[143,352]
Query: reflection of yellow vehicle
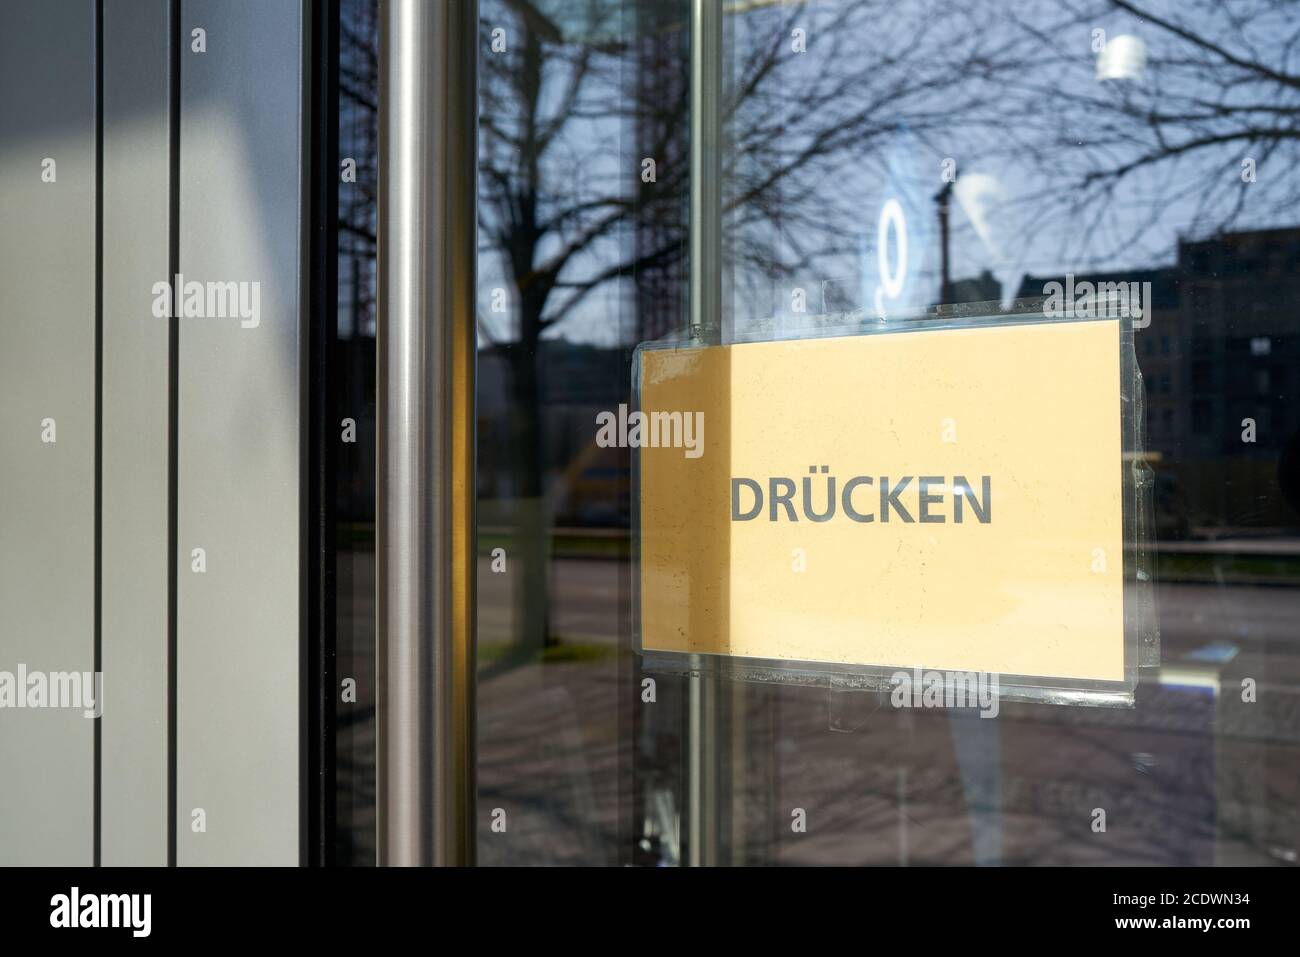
[595,488]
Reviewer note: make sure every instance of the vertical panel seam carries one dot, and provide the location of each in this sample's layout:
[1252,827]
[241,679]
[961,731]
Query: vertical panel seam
[97,785]
[173,393]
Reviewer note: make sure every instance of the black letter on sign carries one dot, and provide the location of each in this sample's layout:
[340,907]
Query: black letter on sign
[736,483]
[846,499]
[776,498]
[928,498]
[962,489]
[888,498]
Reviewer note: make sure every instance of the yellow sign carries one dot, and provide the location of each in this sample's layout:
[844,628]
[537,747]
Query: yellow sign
[948,499]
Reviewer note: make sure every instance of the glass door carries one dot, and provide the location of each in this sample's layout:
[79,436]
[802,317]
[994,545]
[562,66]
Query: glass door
[728,174]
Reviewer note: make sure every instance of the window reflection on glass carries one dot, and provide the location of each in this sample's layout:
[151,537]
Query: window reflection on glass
[880,159]
[998,149]
[354,391]
[580,258]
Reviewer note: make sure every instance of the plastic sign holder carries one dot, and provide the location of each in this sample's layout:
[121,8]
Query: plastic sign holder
[956,495]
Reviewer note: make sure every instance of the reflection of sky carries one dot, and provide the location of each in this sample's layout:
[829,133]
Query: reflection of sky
[1011,93]
[582,165]
[1079,128]
[1045,120]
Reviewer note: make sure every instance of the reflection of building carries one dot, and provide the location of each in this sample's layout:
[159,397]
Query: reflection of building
[983,288]
[1222,351]
[1240,309]
[354,370]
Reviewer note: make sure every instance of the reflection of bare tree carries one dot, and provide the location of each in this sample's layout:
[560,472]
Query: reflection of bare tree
[546,204]
[567,118]
[808,132]
[358,142]
[581,90]
[1161,110]
[584,90]
[355,462]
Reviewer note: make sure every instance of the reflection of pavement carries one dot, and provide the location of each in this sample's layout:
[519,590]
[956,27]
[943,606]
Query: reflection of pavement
[1186,777]
[584,597]
[1272,545]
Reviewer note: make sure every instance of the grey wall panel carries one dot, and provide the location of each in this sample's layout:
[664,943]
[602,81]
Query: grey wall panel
[47,371]
[134,465]
[239,477]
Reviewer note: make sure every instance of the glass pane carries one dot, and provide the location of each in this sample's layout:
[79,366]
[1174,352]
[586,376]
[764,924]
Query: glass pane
[563,251]
[1021,148]
[354,392]
[1033,144]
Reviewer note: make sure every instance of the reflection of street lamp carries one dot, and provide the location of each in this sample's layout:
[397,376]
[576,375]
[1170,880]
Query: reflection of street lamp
[941,200]
[1123,58]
